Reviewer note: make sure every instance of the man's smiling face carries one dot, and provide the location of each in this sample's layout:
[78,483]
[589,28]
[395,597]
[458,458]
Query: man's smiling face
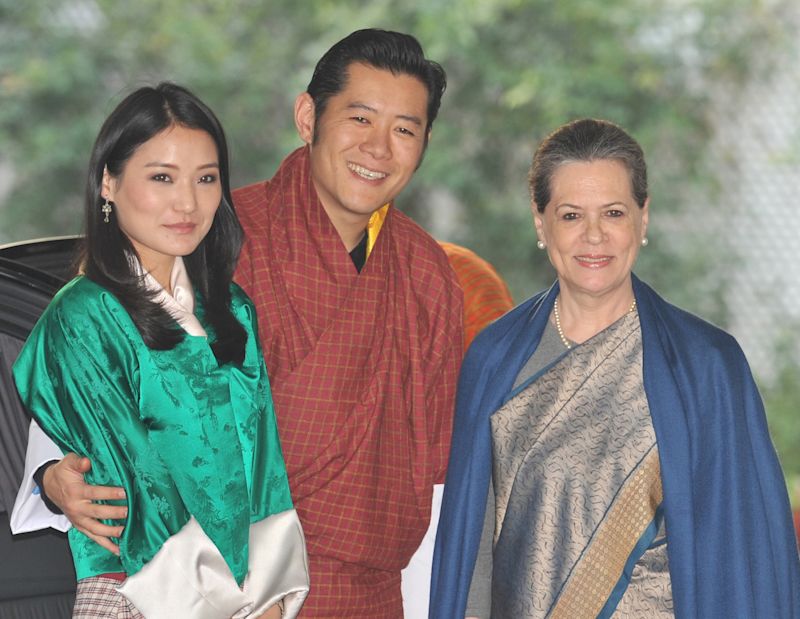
[367,142]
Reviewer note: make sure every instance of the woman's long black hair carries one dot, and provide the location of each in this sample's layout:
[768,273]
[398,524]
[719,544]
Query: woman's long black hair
[139,117]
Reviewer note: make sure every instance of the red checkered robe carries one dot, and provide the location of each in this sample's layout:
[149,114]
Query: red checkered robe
[363,370]
[486,296]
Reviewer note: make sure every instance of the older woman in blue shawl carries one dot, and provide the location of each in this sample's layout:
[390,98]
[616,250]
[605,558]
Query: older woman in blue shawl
[610,453]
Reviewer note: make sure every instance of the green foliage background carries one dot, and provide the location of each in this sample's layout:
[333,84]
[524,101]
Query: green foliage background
[516,70]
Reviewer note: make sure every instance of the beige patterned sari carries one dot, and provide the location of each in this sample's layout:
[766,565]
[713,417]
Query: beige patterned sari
[579,530]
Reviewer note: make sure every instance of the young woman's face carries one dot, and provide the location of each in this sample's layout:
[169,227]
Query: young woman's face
[167,195]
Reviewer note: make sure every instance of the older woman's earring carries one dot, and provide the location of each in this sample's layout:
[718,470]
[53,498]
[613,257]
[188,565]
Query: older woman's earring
[645,242]
[106,208]
[540,244]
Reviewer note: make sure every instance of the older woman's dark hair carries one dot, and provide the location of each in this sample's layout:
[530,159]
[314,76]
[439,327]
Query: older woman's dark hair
[106,249]
[382,49]
[586,140]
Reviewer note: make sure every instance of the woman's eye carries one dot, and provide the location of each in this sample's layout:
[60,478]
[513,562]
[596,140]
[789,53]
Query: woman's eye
[208,178]
[161,178]
[570,216]
[615,213]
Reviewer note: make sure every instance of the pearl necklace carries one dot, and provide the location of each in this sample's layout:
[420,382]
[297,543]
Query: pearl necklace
[564,339]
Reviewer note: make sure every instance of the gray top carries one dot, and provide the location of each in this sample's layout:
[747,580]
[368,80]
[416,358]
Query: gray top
[479,600]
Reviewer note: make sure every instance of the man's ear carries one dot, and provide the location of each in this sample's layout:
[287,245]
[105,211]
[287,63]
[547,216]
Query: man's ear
[304,117]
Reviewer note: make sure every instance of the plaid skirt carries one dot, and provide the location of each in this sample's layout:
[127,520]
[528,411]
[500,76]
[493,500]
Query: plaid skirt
[97,598]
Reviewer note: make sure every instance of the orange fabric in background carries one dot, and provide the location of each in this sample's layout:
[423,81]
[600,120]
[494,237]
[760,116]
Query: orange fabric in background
[486,296]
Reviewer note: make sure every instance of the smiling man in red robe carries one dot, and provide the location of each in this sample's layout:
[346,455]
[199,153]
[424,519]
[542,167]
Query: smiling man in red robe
[362,351]
[362,341]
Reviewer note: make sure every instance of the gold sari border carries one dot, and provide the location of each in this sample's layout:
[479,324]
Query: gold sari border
[617,544]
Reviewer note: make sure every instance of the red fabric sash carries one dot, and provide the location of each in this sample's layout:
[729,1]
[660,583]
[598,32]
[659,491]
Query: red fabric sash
[363,370]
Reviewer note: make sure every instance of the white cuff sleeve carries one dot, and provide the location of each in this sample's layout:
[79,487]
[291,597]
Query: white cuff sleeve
[416,577]
[30,513]
[189,578]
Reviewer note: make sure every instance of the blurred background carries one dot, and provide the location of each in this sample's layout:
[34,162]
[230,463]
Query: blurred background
[711,89]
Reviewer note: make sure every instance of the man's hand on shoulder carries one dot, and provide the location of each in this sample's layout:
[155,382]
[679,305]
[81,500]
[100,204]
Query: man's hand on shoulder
[64,486]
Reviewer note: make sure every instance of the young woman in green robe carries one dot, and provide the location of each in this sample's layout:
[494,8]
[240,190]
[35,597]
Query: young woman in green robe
[149,364]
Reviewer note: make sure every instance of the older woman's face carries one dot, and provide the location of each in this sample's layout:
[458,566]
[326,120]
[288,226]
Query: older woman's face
[592,227]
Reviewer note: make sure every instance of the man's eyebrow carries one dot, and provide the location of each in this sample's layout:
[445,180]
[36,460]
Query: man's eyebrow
[410,118]
[361,106]
[368,108]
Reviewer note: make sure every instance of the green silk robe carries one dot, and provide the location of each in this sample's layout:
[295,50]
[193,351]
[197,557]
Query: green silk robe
[180,433]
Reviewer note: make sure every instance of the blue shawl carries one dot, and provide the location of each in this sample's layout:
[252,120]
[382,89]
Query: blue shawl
[731,544]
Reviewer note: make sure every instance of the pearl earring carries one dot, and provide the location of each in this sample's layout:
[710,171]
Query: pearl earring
[540,244]
[645,242]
